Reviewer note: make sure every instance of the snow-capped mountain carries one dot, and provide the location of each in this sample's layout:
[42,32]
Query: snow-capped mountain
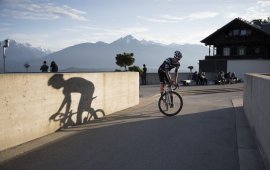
[18,54]
[100,56]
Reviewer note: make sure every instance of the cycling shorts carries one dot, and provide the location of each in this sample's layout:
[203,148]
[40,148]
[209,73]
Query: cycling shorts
[162,77]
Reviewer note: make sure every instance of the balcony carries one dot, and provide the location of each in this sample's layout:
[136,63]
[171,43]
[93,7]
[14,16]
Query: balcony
[236,57]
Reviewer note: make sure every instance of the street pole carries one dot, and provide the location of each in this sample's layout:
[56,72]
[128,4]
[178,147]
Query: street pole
[4,57]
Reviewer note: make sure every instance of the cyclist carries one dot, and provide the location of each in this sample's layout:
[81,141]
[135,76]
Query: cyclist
[166,66]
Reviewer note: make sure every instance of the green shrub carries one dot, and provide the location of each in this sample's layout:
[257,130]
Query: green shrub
[135,68]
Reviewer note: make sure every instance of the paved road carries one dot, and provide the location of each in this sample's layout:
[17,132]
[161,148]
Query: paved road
[209,134]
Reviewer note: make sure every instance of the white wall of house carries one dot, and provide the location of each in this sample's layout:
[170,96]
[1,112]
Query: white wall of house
[240,67]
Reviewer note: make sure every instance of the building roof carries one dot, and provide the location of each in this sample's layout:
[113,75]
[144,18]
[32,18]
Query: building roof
[263,27]
[266,27]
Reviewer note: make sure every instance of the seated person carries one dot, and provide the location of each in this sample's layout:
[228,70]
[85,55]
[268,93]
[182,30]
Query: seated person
[220,78]
[233,77]
[204,78]
[227,77]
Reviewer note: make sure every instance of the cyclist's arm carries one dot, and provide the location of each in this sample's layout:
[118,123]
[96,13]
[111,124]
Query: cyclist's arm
[176,72]
[168,75]
[67,102]
[176,75]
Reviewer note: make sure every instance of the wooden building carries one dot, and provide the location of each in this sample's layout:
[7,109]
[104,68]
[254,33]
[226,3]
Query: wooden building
[239,46]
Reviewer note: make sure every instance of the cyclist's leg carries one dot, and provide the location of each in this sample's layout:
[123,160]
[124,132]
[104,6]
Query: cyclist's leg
[166,80]
[162,80]
[171,98]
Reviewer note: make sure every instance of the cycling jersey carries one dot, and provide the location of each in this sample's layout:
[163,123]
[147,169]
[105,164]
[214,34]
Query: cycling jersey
[168,65]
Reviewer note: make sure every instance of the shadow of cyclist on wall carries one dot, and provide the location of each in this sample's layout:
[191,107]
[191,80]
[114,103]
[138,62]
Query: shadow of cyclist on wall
[74,85]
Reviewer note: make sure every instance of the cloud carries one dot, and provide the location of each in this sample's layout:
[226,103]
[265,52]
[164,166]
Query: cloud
[37,40]
[260,10]
[117,30]
[5,24]
[192,16]
[104,33]
[4,27]
[178,38]
[26,9]
[257,10]
[166,1]
[264,2]
[172,18]
[166,18]
[157,20]
[202,15]
[41,40]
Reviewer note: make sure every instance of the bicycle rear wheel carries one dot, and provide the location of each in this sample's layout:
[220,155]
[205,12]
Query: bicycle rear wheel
[168,109]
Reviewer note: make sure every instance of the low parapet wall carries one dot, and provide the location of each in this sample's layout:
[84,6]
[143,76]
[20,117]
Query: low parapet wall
[35,105]
[257,109]
[152,78]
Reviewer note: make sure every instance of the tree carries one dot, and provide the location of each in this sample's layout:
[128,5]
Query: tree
[124,60]
[190,68]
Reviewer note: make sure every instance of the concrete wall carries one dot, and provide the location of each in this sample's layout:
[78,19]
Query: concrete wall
[257,109]
[34,105]
[152,78]
[241,67]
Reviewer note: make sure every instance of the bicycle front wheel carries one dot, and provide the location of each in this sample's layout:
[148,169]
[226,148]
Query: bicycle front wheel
[172,107]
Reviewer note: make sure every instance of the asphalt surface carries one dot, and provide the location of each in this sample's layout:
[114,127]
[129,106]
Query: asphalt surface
[210,133]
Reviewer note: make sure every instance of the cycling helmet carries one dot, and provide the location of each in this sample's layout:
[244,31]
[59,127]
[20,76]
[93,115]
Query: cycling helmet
[178,55]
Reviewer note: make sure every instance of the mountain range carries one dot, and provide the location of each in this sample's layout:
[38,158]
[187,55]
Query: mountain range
[100,56]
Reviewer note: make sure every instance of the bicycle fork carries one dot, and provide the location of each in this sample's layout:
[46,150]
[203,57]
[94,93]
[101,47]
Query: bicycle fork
[169,99]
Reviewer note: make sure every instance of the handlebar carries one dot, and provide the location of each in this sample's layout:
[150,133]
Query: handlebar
[173,86]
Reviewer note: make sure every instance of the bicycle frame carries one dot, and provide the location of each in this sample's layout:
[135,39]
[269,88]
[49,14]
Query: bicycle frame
[167,89]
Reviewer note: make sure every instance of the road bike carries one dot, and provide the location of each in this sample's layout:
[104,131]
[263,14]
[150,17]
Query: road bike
[170,102]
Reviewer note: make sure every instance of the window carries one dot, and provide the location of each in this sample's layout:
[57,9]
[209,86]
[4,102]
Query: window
[242,50]
[238,32]
[226,51]
[248,32]
[235,32]
[243,32]
[257,50]
[230,34]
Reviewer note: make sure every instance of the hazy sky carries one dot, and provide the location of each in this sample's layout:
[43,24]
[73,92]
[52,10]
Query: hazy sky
[56,24]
